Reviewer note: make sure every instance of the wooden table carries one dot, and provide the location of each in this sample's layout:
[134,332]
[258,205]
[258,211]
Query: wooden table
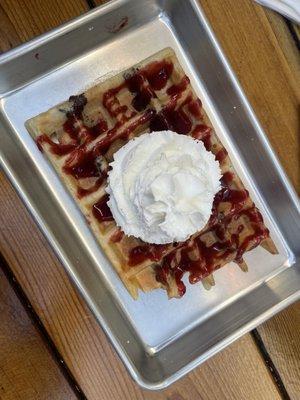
[50,345]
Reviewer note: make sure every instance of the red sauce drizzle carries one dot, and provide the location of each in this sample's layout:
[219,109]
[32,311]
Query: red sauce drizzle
[144,82]
[175,120]
[135,82]
[232,196]
[138,85]
[70,128]
[103,145]
[171,119]
[176,90]
[236,198]
[81,164]
[56,148]
[101,211]
[178,262]
[195,107]
[145,252]
[96,130]
[111,102]
[142,99]
[227,178]
[203,132]
[221,155]
[158,73]
[159,123]
[260,233]
[81,133]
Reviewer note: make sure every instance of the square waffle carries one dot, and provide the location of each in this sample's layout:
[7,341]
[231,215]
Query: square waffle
[79,138]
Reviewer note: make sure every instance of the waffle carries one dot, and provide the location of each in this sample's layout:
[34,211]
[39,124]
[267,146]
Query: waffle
[80,136]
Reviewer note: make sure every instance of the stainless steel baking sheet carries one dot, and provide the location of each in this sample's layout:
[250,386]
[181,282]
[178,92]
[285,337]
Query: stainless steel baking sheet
[159,340]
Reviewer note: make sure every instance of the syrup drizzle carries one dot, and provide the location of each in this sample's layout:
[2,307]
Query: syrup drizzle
[145,252]
[82,163]
[101,211]
[203,132]
[227,247]
[221,155]
[57,149]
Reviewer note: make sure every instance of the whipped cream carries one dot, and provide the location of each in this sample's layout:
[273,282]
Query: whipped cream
[162,186]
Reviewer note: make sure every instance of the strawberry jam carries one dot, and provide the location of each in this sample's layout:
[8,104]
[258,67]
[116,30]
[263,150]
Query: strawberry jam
[101,211]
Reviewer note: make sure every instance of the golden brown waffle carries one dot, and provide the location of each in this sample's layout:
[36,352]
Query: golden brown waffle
[79,138]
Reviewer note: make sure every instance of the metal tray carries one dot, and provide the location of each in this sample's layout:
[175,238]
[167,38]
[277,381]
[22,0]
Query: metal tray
[158,340]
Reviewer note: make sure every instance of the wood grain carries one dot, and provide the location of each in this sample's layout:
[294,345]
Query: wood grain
[22,20]
[287,46]
[267,62]
[66,318]
[271,82]
[282,340]
[27,369]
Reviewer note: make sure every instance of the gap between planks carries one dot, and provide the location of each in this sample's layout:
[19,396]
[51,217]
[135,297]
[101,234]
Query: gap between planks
[294,31]
[270,364]
[40,327]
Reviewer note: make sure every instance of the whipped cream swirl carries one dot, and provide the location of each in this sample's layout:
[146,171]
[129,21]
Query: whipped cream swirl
[162,186]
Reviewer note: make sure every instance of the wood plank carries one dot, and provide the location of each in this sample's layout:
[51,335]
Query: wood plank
[268,53]
[270,81]
[77,336]
[27,369]
[22,20]
[283,36]
[282,340]
[82,343]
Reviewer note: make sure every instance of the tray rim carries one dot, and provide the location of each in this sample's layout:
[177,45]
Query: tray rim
[68,26]
[60,29]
